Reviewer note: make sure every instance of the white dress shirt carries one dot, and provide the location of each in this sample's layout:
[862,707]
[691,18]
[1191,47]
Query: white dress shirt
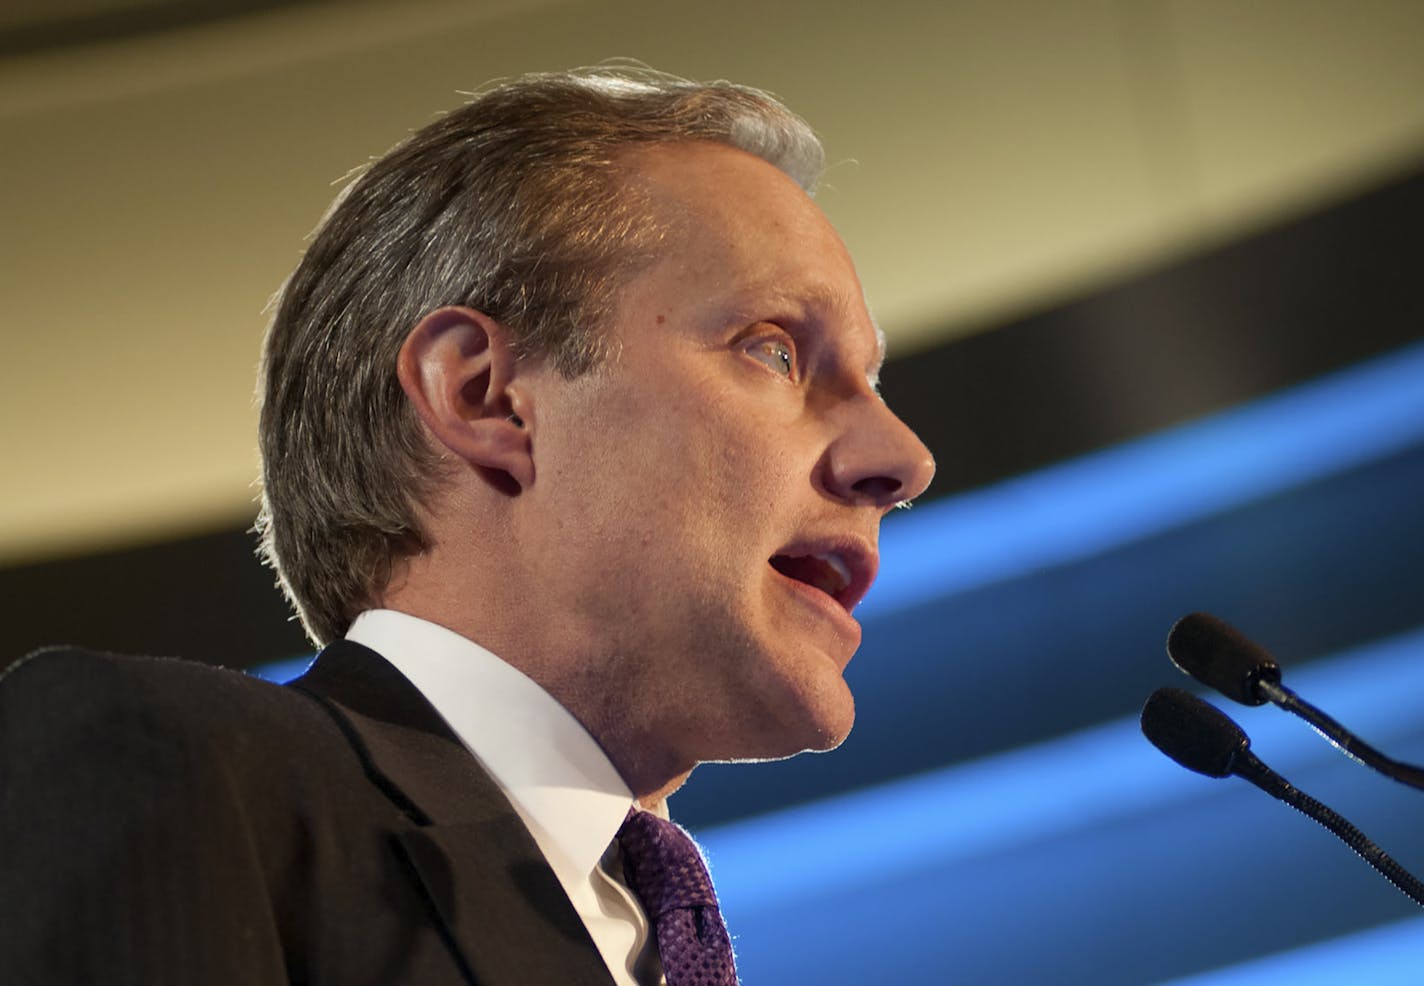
[555,775]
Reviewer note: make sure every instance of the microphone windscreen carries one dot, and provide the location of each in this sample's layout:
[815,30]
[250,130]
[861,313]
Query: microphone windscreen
[1216,654]
[1192,732]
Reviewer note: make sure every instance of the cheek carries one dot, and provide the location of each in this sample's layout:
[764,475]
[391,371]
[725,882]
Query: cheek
[679,476]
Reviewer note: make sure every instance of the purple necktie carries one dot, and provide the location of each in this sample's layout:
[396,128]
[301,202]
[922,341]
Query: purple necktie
[665,870]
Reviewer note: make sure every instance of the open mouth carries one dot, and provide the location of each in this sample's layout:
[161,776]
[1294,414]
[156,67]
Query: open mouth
[826,571]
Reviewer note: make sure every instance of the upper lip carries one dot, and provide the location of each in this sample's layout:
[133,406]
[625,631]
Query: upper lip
[855,553]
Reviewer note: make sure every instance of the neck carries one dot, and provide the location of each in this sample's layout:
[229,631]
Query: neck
[605,702]
[598,689]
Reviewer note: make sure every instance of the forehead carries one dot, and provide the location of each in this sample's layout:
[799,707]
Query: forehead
[741,235]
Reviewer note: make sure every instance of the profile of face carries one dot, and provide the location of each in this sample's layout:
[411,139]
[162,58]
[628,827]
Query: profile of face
[706,504]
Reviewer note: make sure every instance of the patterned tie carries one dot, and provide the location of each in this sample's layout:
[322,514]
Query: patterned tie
[665,870]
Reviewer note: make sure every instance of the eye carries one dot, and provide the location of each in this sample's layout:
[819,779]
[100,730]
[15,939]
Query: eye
[778,354]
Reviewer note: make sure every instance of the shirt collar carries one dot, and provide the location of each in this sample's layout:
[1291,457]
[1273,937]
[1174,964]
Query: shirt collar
[556,776]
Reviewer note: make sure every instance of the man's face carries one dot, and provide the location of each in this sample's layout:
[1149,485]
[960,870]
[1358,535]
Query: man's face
[710,498]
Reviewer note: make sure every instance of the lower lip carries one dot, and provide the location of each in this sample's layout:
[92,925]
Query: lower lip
[847,626]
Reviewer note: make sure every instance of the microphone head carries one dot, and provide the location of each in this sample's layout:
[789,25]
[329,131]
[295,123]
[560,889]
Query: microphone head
[1193,733]
[1217,655]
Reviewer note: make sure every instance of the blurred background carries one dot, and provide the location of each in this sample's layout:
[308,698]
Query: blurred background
[1153,278]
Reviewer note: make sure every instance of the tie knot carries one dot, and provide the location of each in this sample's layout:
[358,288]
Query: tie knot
[664,867]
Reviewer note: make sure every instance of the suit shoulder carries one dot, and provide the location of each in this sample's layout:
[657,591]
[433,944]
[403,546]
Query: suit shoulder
[56,687]
[118,733]
[75,671]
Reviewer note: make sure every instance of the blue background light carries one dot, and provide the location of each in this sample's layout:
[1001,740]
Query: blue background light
[1164,481]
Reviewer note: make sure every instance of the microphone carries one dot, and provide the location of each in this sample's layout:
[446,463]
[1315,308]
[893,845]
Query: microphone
[1218,655]
[1203,739]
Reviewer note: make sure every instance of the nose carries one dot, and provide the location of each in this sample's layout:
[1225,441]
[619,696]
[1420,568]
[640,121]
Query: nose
[876,459]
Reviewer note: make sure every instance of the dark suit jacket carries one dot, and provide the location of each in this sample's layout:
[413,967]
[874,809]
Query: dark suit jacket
[163,822]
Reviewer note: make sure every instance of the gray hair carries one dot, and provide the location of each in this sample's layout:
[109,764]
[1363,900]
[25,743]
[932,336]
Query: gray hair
[515,205]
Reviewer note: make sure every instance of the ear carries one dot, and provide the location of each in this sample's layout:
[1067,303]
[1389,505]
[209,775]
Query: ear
[457,367]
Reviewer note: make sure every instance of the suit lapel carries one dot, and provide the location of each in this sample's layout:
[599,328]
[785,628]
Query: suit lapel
[500,907]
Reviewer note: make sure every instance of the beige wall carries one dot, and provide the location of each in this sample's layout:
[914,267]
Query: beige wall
[988,157]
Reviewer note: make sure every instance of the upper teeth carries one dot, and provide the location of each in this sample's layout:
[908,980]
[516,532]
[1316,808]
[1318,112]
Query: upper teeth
[841,568]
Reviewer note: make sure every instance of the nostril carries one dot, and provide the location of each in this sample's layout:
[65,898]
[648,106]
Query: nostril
[878,488]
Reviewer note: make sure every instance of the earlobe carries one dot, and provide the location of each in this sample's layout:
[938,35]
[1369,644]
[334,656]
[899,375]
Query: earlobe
[458,369]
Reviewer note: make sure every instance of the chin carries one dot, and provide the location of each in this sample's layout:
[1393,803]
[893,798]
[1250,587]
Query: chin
[772,702]
[819,723]
[832,732]
[812,723]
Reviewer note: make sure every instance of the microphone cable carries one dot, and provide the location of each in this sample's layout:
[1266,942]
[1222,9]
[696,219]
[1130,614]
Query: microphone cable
[1203,739]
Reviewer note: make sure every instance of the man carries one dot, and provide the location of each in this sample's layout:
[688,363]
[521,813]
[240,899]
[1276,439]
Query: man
[574,462]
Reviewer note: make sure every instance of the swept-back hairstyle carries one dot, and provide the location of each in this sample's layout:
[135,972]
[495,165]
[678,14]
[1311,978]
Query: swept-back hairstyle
[514,205]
